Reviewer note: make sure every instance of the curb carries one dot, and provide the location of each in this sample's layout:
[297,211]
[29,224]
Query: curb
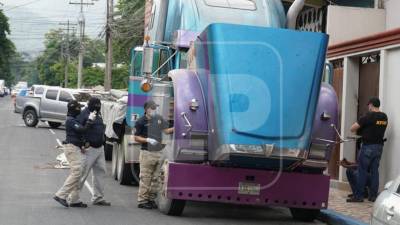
[334,218]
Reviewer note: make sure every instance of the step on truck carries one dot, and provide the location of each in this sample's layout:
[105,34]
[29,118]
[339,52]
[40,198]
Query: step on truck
[253,118]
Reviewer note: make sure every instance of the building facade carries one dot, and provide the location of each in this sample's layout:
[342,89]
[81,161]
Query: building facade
[365,51]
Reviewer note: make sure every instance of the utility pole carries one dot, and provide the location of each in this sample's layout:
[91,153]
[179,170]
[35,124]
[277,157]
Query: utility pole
[70,26]
[109,49]
[81,21]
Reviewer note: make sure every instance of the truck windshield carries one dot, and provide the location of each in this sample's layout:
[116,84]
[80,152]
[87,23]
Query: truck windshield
[82,97]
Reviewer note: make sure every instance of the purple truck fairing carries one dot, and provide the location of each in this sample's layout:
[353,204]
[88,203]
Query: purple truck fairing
[190,141]
[326,115]
[215,184]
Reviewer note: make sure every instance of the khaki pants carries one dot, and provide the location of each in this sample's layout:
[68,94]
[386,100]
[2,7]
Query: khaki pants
[94,160]
[70,189]
[150,164]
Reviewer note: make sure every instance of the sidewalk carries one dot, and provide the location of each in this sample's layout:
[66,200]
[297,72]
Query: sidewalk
[358,211]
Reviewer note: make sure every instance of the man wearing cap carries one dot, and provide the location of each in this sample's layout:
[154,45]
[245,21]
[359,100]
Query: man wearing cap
[149,130]
[73,150]
[372,129]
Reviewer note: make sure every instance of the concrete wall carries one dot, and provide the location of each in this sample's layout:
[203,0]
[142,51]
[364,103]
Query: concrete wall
[390,166]
[347,23]
[349,108]
[392,14]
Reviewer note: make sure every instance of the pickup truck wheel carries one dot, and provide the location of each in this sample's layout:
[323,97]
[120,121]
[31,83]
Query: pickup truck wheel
[30,118]
[108,152]
[305,215]
[114,161]
[54,125]
[168,206]
[124,171]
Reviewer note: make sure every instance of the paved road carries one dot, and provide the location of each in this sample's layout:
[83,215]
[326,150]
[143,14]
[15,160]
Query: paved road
[28,182]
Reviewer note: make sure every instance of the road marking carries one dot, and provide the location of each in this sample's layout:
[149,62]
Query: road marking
[52,131]
[89,188]
[59,142]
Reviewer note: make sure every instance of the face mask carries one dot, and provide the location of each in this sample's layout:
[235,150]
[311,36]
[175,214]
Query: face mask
[151,112]
[74,112]
[97,108]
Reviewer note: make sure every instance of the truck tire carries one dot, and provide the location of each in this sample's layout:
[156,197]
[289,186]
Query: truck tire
[124,171]
[30,118]
[54,125]
[114,161]
[305,215]
[108,152]
[168,206]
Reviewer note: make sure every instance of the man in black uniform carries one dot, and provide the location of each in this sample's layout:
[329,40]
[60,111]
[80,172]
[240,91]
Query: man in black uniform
[73,150]
[94,159]
[149,130]
[372,129]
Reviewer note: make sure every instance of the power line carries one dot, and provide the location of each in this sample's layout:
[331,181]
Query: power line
[81,21]
[25,4]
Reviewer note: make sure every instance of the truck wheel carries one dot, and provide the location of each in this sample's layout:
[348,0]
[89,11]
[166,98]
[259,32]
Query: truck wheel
[30,118]
[124,172]
[54,125]
[108,152]
[168,206]
[114,161]
[305,215]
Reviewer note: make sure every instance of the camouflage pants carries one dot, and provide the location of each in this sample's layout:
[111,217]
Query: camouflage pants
[150,164]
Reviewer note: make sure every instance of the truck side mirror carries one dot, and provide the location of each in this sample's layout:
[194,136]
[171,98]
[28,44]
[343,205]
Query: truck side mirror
[147,61]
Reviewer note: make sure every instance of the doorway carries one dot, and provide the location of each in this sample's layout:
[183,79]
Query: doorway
[337,84]
[368,85]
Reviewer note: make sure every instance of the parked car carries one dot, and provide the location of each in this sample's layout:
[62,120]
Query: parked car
[387,205]
[51,107]
[2,88]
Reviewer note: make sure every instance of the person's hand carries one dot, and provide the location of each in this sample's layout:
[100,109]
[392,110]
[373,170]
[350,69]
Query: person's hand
[92,115]
[151,141]
[83,150]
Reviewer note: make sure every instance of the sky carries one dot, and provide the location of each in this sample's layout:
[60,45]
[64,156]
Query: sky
[31,19]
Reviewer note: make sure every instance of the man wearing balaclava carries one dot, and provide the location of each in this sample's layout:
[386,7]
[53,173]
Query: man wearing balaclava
[73,150]
[149,129]
[94,159]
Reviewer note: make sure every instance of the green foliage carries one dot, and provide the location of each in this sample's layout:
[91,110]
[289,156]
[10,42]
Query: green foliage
[128,29]
[52,62]
[120,77]
[7,50]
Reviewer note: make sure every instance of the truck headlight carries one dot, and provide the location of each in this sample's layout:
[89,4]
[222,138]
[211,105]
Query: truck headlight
[266,150]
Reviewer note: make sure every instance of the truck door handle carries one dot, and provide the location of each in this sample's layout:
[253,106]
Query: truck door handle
[188,125]
[390,212]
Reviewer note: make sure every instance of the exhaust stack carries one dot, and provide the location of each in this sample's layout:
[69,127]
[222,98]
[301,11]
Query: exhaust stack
[293,12]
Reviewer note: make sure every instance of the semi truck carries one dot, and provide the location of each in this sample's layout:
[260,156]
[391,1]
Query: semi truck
[254,117]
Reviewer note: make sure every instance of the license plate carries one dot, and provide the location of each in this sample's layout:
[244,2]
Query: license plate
[249,189]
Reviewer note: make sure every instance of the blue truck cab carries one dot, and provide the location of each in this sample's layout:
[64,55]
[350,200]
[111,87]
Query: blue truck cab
[246,99]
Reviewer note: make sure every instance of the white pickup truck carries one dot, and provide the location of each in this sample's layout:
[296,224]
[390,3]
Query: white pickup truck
[51,107]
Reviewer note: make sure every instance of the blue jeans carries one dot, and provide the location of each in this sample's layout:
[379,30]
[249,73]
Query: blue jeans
[368,160]
[352,176]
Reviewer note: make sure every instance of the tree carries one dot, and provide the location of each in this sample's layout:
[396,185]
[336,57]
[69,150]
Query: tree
[128,29]
[51,63]
[7,50]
